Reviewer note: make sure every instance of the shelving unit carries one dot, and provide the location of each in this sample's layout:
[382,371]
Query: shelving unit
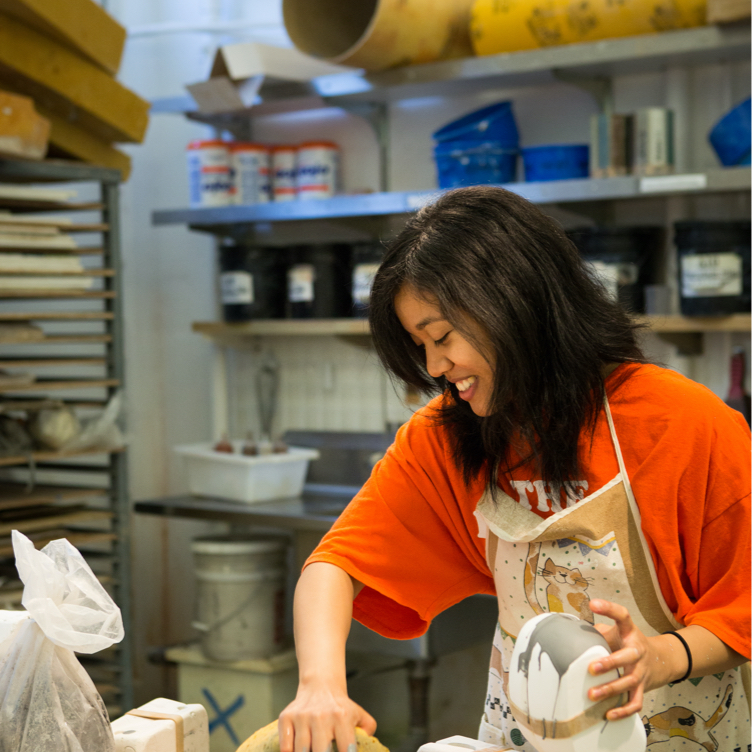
[590,66]
[78,495]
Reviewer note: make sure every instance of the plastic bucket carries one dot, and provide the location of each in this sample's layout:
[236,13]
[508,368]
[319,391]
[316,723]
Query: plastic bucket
[559,162]
[494,123]
[731,135]
[461,163]
[240,596]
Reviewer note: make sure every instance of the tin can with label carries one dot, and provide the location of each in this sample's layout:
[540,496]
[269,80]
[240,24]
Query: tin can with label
[284,173]
[209,180]
[251,179]
[318,282]
[251,282]
[318,170]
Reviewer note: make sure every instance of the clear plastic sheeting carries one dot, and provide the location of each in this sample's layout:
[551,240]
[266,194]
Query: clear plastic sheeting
[47,700]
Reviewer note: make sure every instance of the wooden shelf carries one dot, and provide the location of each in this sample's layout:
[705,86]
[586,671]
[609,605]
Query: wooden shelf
[15,496]
[54,518]
[57,316]
[66,339]
[50,362]
[44,273]
[63,293]
[282,327]
[50,457]
[225,332]
[739,322]
[43,385]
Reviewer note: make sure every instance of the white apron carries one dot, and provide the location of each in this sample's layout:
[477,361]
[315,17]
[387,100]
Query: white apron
[595,549]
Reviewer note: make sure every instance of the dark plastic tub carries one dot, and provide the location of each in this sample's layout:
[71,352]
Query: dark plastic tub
[556,162]
[714,267]
[252,282]
[493,123]
[319,282]
[623,258]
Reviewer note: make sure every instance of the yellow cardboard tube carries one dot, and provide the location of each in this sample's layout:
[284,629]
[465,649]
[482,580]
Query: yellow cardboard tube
[379,34]
[511,25]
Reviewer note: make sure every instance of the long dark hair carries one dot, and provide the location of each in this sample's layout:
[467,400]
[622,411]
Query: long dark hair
[489,256]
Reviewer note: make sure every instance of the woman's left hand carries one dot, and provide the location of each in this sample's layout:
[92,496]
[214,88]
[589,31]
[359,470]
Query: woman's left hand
[642,660]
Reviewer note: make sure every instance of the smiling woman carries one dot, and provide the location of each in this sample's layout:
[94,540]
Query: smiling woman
[554,468]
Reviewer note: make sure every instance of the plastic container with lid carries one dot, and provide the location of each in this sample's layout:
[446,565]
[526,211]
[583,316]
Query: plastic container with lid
[252,282]
[318,170]
[556,162]
[284,167]
[251,179]
[622,258]
[319,282]
[209,178]
[714,267]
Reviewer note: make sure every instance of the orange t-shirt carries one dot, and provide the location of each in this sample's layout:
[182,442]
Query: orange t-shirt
[411,538]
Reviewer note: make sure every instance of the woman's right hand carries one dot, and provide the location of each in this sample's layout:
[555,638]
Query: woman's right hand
[322,712]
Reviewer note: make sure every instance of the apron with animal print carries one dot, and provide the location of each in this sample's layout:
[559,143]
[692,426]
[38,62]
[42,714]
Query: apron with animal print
[595,549]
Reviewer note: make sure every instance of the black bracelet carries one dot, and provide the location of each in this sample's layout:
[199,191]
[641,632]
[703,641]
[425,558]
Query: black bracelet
[689,656]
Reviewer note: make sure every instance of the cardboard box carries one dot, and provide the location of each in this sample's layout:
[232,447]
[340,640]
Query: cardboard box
[240,70]
[23,132]
[60,81]
[80,25]
[240,697]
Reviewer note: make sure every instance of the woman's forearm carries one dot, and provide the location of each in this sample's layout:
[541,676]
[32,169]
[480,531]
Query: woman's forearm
[710,655]
[322,616]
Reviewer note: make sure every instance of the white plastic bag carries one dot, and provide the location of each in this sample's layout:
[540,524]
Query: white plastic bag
[47,700]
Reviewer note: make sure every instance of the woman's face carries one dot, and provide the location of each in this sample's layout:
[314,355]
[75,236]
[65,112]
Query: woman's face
[447,352]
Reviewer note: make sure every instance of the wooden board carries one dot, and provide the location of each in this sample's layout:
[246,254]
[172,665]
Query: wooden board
[41,539]
[52,518]
[71,140]
[95,294]
[23,131]
[61,82]
[15,496]
[81,25]
[42,385]
[56,316]
[50,362]
[49,457]
[80,251]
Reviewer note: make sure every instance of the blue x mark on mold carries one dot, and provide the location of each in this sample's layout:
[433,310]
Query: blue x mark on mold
[223,716]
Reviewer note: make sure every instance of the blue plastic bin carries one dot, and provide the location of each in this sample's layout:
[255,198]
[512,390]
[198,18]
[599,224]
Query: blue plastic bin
[462,163]
[731,135]
[493,123]
[556,162]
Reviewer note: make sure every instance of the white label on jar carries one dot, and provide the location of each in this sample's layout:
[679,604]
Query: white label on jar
[300,283]
[236,288]
[711,275]
[363,275]
[614,276]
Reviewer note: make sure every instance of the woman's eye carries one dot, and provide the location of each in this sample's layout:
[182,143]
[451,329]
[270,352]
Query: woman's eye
[441,341]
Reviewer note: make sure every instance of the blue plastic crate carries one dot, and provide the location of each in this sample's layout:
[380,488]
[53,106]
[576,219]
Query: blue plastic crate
[494,123]
[462,163]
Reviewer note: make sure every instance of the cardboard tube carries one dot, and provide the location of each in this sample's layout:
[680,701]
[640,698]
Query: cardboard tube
[379,34]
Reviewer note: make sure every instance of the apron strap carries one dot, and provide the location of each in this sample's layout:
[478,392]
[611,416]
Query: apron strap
[549,729]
